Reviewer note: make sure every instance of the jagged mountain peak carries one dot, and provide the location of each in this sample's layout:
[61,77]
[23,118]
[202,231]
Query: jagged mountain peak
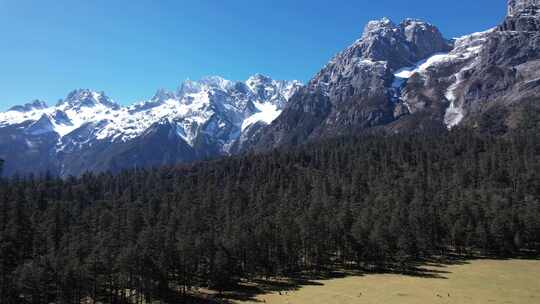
[411,27]
[162,95]
[268,90]
[259,82]
[33,105]
[396,45]
[258,78]
[206,83]
[379,27]
[260,87]
[386,25]
[82,98]
[424,38]
[384,48]
[407,76]
[415,23]
[217,82]
[355,90]
[188,87]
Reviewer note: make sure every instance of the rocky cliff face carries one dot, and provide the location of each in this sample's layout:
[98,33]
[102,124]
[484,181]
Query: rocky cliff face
[357,89]
[522,7]
[408,78]
[492,71]
[522,16]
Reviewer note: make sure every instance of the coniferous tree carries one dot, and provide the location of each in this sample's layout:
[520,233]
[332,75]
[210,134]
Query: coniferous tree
[372,201]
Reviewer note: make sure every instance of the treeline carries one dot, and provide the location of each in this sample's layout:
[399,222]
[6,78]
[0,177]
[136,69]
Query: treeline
[146,235]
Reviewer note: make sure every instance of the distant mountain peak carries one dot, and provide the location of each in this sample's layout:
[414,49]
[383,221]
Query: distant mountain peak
[163,95]
[188,86]
[33,105]
[81,98]
[259,78]
[206,83]
[216,82]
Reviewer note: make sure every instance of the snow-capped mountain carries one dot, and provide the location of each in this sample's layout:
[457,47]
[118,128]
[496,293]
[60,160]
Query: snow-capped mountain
[206,117]
[407,78]
[397,77]
[358,88]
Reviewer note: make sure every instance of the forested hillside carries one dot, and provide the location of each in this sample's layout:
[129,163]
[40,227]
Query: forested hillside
[363,202]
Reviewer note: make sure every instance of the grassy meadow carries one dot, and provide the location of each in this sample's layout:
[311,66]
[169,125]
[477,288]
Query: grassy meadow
[473,282]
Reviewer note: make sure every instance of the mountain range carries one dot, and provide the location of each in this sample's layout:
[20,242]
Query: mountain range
[87,131]
[397,77]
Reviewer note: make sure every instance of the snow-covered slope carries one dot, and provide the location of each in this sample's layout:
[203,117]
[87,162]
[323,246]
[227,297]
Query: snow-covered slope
[395,78]
[259,99]
[462,58]
[208,114]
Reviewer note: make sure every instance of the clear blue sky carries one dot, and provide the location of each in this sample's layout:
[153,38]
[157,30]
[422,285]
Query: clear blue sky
[130,48]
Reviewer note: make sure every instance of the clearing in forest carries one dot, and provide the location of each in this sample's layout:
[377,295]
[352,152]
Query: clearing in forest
[474,282]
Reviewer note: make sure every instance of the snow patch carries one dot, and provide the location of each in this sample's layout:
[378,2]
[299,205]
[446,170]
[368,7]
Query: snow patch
[453,116]
[403,74]
[267,113]
[466,48]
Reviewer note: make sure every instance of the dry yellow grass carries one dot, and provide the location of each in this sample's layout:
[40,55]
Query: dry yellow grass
[478,282]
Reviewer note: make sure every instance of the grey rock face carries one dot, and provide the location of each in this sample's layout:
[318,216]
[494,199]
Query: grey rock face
[523,7]
[521,23]
[408,78]
[399,45]
[523,15]
[507,73]
[424,38]
[494,69]
[354,91]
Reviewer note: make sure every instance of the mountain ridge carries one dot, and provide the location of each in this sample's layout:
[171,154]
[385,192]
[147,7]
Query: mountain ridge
[396,78]
[407,78]
[206,116]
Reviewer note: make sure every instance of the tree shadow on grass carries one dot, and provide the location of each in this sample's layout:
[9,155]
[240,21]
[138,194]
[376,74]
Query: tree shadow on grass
[414,269]
[194,299]
[249,291]
[429,268]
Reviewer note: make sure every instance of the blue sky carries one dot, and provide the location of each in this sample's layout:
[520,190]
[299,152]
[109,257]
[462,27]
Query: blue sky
[130,48]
